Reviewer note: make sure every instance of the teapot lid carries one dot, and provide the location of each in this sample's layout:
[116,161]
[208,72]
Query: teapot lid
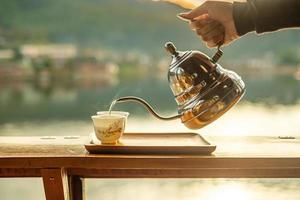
[178,56]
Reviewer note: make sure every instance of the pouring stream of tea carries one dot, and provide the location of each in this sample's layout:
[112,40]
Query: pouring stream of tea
[112,105]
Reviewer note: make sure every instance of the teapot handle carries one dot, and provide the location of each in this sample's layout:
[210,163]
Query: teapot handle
[219,52]
[217,55]
[147,106]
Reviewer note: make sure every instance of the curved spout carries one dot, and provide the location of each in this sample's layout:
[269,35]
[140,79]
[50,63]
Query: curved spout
[147,106]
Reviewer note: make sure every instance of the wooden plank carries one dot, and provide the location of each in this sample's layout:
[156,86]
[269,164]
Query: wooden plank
[162,173]
[233,146]
[55,184]
[188,173]
[235,156]
[76,188]
[19,172]
[150,162]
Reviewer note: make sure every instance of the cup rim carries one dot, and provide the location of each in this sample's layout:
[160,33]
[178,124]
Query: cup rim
[99,116]
[114,112]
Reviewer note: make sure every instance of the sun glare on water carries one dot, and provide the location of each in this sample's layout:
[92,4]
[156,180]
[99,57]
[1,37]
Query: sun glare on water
[231,191]
[242,120]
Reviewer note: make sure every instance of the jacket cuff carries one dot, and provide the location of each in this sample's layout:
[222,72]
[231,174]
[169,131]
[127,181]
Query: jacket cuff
[243,18]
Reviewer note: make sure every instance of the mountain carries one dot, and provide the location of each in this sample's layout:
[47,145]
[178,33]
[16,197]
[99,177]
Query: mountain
[120,25]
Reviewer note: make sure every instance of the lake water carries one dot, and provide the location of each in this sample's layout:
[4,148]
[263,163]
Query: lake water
[271,106]
[56,107]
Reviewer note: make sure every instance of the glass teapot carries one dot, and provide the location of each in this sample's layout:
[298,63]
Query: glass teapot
[202,89]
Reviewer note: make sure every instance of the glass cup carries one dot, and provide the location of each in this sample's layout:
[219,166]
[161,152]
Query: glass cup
[109,127]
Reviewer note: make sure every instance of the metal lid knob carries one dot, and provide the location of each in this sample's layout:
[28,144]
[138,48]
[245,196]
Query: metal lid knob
[170,47]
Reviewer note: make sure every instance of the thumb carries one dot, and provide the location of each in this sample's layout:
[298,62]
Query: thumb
[200,10]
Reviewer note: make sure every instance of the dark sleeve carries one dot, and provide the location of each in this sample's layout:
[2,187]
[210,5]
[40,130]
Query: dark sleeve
[265,15]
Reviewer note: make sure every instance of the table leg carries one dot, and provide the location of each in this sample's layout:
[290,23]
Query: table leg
[76,188]
[55,184]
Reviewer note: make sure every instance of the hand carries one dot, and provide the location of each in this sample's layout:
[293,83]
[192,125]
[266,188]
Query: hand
[213,22]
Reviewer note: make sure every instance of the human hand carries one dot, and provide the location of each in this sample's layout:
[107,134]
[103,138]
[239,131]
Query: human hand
[213,22]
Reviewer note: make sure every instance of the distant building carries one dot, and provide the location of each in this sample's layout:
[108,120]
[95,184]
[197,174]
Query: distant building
[6,54]
[54,51]
[57,53]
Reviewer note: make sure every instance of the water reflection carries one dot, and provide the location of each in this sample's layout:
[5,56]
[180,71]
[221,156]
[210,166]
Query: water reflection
[77,100]
[280,89]
[172,189]
[63,107]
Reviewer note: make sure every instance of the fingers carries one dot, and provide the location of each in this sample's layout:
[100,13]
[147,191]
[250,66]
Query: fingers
[211,33]
[200,22]
[203,26]
[214,41]
[200,10]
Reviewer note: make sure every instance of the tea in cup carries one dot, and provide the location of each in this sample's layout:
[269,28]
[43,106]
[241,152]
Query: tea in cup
[109,126]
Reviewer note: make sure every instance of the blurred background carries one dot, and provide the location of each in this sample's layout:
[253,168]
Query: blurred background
[63,60]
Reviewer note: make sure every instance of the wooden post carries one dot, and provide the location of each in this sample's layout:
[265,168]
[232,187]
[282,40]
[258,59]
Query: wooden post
[76,188]
[55,184]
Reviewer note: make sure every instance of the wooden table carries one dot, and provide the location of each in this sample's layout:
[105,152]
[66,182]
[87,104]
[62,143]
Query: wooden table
[63,162]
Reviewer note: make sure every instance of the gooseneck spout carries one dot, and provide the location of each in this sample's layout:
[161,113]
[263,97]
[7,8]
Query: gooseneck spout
[147,106]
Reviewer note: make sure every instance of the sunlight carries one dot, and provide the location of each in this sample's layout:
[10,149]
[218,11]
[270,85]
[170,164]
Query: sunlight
[244,119]
[188,4]
[64,61]
[230,191]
